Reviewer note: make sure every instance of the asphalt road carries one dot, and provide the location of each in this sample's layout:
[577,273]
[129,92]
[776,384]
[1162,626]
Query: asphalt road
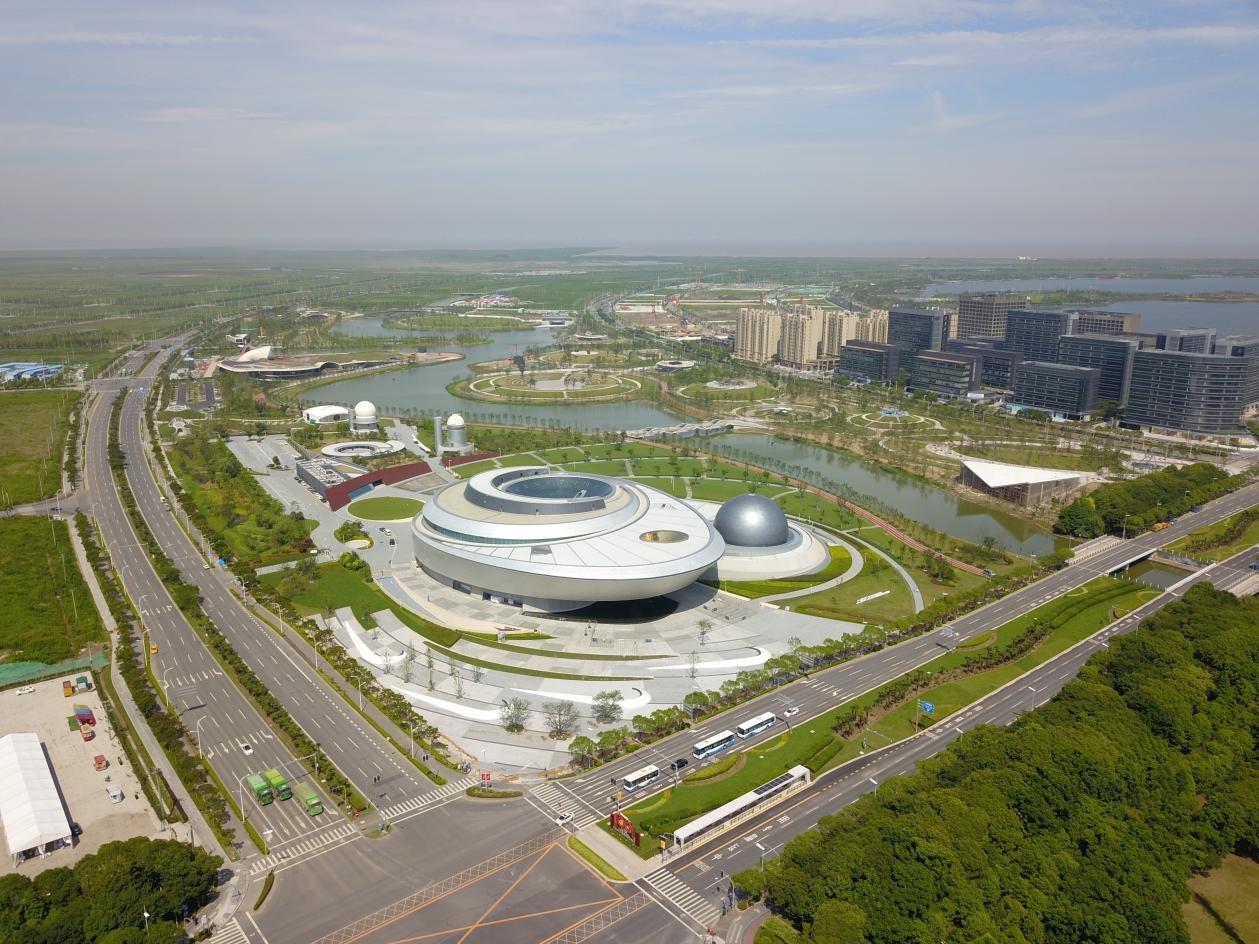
[594,794]
[706,871]
[222,720]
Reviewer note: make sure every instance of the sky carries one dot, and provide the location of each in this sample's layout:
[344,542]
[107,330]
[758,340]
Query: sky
[828,127]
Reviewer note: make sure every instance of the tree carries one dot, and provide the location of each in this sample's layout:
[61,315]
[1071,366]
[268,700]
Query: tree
[692,664]
[408,661]
[582,750]
[514,714]
[695,702]
[607,707]
[561,718]
[704,626]
[611,741]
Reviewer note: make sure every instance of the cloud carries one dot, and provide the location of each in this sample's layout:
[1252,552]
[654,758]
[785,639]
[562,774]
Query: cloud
[945,120]
[197,115]
[90,38]
[1142,99]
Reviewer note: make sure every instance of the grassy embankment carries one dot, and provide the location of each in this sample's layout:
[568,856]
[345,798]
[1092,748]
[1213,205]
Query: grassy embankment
[1223,901]
[1074,617]
[385,508]
[1220,541]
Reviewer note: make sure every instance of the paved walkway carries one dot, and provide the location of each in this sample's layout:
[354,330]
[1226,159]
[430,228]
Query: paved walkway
[853,569]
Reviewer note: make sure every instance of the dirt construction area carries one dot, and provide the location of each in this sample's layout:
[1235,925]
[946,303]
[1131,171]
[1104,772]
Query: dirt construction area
[42,708]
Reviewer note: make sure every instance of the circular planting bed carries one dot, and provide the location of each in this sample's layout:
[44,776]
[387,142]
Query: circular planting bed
[556,386]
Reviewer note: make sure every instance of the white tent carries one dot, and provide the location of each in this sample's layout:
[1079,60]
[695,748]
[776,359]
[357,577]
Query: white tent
[30,805]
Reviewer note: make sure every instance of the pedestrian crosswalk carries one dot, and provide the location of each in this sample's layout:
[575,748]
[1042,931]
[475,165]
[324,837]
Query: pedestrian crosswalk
[303,847]
[229,933]
[684,897]
[560,800]
[426,799]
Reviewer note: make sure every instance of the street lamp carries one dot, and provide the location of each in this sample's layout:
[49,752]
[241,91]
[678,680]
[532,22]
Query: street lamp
[1125,526]
[196,730]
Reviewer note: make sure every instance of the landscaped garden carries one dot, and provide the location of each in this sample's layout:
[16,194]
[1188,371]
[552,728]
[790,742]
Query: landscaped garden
[385,508]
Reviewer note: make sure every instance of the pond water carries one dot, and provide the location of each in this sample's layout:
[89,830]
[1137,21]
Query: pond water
[424,389]
[932,505]
[1156,574]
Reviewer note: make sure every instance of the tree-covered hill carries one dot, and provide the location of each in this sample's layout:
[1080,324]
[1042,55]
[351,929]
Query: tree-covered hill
[1079,823]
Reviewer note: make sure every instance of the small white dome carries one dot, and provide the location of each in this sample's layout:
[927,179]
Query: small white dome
[454,421]
[365,410]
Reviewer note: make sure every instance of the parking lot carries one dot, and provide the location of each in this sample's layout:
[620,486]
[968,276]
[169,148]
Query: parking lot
[84,790]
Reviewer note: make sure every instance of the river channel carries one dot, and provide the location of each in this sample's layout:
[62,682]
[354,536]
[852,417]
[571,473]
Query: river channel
[424,389]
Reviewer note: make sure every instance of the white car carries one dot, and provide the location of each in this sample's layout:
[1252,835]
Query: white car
[792,711]
[562,818]
[247,749]
[26,690]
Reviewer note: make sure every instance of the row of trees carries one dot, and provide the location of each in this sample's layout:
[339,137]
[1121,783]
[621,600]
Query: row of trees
[133,892]
[1080,822]
[1134,505]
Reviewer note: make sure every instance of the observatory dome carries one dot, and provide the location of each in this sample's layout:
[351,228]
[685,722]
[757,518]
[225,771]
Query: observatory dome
[454,421]
[365,411]
[752,520]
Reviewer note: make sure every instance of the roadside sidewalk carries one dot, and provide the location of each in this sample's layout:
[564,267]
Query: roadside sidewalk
[617,855]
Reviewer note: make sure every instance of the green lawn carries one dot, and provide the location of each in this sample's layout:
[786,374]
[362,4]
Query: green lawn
[523,458]
[605,467]
[658,465]
[841,602]
[675,487]
[562,454]
[1217,532]
[46,613]
[718,489]
[27,452]
[627,450]
[1232,891]
[840,560]
[385,508]
[469,469]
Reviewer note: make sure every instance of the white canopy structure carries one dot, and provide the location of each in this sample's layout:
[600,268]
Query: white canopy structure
[30,806]
[1021,484]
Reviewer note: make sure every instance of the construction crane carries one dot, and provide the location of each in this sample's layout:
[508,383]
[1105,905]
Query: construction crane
[738,275]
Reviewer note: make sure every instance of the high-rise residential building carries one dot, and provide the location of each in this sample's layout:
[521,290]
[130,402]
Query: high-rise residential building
[996,367]
[983,315]
[1246,347]
[757,333]
[839,326]
[951,375]
[1062,389]
[1109,354]
[801,340]
[869,360]
[1203,394]
[1034,333]
[1089,321]
[913,330]
[1189,340]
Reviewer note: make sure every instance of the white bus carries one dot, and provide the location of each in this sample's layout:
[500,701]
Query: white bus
[714,744]
[640,778]
[756,725]
[742,808]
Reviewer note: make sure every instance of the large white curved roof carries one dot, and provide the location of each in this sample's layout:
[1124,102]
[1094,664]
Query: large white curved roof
[254,354]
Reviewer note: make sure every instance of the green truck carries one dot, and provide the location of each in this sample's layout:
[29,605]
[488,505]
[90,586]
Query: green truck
[258,786]
[279,786]
[307,794]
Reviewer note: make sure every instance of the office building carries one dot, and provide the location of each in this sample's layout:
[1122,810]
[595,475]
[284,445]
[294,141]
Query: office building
[1111,355]
[996,367]
[1089,321]
[1061,389]
[1188,340]
[1201,394]
[1035,334]
[1247,347]
[912,330]
[757,333]
[801,338]
[869,360]
[984,315]
[950,375]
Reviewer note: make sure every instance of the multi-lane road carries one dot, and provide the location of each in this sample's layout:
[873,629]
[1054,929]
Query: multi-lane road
[697,882]
[594,795]
[229,731]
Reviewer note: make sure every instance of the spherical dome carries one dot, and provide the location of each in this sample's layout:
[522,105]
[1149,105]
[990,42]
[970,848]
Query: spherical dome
[454,421]
[365,411]
[751,520]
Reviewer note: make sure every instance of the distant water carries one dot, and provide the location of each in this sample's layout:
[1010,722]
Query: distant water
[1227,317]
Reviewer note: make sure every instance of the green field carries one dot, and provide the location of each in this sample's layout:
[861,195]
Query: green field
[33,427]
[1232,892]
[718,490]
[562,454]
[665,483]
[840,561]
[385,508]
[46,613]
